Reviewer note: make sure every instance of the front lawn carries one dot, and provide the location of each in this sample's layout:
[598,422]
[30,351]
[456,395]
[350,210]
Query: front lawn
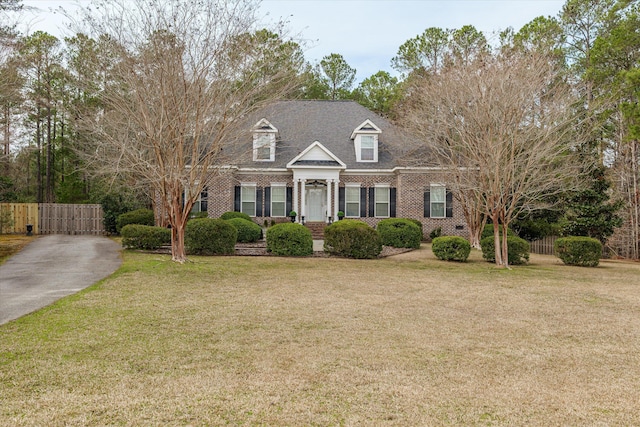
[12,243]
[401,341]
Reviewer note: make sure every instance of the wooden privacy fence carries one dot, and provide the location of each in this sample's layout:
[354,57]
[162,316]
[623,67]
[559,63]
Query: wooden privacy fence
[543,246]
[14,217]
[53,218]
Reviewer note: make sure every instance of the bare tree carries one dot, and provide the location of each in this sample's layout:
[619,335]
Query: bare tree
[503,126]
[178,87]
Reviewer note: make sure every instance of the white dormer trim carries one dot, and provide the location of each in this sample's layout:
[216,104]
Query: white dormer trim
[365,142]
[264,137]
[311,153]
[367,127]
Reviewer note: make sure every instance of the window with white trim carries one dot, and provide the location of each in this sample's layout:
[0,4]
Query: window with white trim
[367,148]
[382,202]
[438,201]
[278,200]
[248,199]
[352,201]
[264,146]
[201,203]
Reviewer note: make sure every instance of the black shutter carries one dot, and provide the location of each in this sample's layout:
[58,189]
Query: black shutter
[267,201]
[258,201]
[427,204]
[341,200]
[449,207]
[363,202]
[372,202]
[289,201]
[392,202]
[236,198]
[204,199]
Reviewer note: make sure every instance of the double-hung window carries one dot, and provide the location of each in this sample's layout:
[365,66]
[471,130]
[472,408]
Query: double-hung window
[263,147]
[367,147]
[382,202]
[200,205]
[278,200]
[248,199]
[438,201]
[352,201]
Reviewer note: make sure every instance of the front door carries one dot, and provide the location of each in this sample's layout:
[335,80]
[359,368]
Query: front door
[316,199]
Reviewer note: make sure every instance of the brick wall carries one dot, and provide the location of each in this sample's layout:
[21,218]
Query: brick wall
[410,188]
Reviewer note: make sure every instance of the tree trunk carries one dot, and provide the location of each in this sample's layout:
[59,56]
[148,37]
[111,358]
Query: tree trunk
[496,240]
[178,253]
[505,246]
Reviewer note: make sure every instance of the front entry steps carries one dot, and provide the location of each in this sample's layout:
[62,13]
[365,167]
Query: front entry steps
[317,229]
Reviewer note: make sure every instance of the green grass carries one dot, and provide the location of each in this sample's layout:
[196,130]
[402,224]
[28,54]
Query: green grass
[12,243]
[407,340]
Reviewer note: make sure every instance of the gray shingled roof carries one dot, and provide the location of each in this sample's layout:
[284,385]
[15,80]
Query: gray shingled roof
[301,123]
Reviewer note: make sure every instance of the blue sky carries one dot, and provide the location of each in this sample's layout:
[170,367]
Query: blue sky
[367,33]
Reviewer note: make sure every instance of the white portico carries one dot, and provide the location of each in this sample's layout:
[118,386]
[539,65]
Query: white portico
[316,178]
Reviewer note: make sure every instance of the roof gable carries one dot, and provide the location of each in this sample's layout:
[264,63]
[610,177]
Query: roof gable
[367,127]
[318,155]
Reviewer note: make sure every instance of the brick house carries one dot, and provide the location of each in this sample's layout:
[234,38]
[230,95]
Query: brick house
[321,157]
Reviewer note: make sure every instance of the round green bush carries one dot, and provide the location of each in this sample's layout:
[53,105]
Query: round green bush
[136,236]
[248,231]
[289,239]
[399,233]
[230,215]
[352,239]
[419,224]
[451,248]
[210,236]
[139,216]
[488,231]
[517,249]
[581,251]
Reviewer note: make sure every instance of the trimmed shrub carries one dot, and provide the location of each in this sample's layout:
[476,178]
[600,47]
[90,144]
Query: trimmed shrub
[581,251]
[518,249]
[488,231]
[436,232]
[197,215]
[352,239]
[210,236]
[136,236]
[139,216]
[289,239]
[419,224]
[248,231]
[399,233]
[230,215]
[451,248]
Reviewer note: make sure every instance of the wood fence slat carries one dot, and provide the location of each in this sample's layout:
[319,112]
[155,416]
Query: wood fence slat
[54,218]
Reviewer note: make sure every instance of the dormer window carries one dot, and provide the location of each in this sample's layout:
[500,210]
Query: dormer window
[264,141]
[365,142]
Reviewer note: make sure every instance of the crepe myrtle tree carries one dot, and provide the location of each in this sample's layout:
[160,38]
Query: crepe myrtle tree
[178,85]
[504,127]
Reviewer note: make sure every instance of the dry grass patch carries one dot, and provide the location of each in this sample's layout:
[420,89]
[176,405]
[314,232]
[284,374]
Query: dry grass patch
[12,243]
[407,340]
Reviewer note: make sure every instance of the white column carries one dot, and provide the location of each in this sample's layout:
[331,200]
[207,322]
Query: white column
[294,204]
[303,199]
[329,181]
[336,198]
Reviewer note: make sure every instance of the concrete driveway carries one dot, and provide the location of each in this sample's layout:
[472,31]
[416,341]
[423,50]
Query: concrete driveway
[52,267]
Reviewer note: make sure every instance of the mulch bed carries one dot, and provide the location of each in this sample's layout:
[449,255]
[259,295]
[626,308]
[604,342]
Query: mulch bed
[260,249]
